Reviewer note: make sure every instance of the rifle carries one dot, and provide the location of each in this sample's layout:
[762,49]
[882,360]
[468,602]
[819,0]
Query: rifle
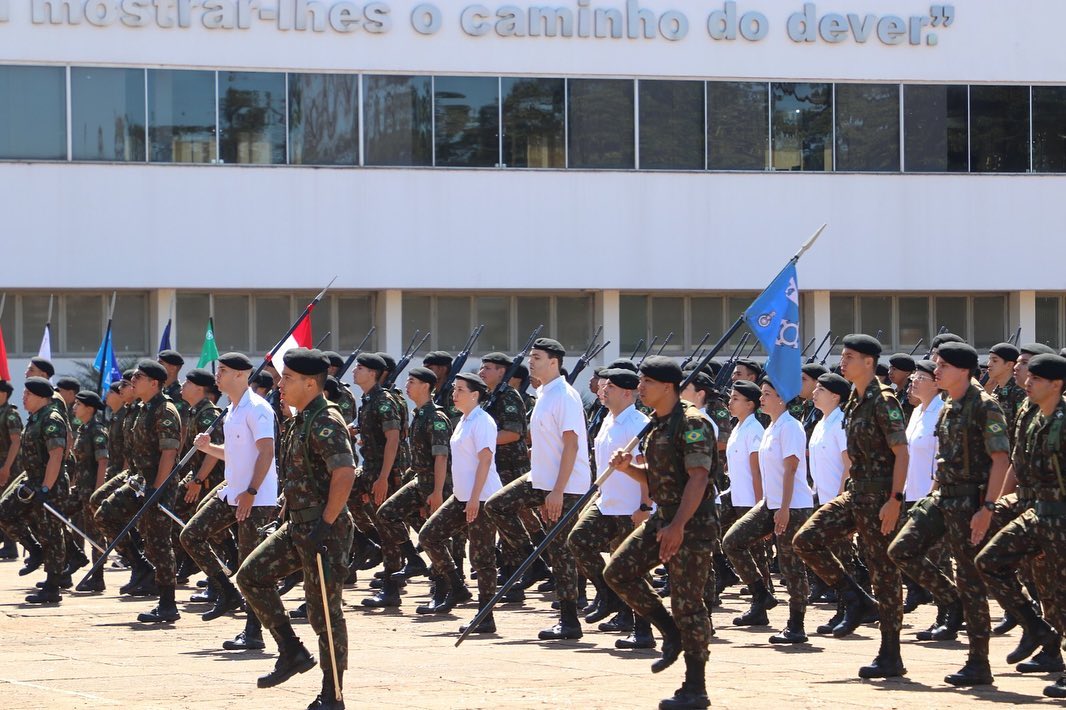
[695,353]
[754,347]
[878,336]
[583,361]
[669,337]
[355,353]
[457,366]
[513,368]
[1017,336]
[730,364]
[651,345]
[916,346]
[636,350]
[323,339]
[808,346]
[814,356]
[943,329]
[830,350]
[153,499]
[405,359]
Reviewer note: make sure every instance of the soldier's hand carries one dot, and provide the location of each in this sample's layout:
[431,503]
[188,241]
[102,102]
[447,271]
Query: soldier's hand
[979,525]
[670,539]
[781,521]
[5,474]
[473,507]
[201,441]
[621,459]
[639,516]
[434,501]
[553,506]
[380,490]
[317,539]
[889,516]
[244,506]
[192,491]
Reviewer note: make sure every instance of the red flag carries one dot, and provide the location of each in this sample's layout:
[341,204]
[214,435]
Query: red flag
[300,338]
[5,373]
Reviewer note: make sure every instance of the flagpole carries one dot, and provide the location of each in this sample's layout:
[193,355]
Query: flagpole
[106,362]
[211,327]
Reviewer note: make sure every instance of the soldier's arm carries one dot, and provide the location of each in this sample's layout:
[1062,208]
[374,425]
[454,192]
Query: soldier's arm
[512,421]
[12,454]
[169,441]
[101,472]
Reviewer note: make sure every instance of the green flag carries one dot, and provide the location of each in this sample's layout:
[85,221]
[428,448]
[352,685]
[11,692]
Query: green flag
[210,352]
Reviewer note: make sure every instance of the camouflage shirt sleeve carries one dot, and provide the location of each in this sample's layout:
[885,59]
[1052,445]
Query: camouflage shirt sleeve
[995,427]
[14,422]
[330,442]
[441,435]
[890,419]
[699,440]
[388,414]
[54,431]
[512,415]
[100,441]
[168,427]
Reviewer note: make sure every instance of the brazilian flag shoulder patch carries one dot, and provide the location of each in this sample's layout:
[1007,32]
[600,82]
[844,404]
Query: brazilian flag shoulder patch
[693,436]
[995,428]
[440,426]
[895,414]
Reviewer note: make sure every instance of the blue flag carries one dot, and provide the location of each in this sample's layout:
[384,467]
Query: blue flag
[164,342]
[106,363]
[774,318]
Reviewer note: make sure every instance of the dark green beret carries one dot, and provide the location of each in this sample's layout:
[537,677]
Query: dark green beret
[200,377]
[90,399]
[622,363]
[1037,349]
[473,381]
[835,384]
[946,338]
[496,359]
[39,386]
[441,358]
[371,361]
[902,361]
[550,346]
[662,369]
[423,374]
[863,344]
[1062,352]
[621,377]
[752,365]
[714,367]
[44,365]
[390,361]
[236,361]
[68,383]
[1007,351]
[926,366]
[747,389]
[335,359]
[1048,366]
[814,370]
[958,354]
[152,369]
[881,369]
[171,357]
[5,386]
[308,362]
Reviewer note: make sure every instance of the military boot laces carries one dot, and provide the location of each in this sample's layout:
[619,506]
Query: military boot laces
[941,615]
[568,628]
[388,596]
[836,618]
[640,638]
[229,599]
[887,664]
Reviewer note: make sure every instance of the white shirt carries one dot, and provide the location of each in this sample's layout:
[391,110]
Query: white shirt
[782,439]
[474,433]
[922,447]
[828,443]
[620,494]
[743,441]
[247,422]
[558,410]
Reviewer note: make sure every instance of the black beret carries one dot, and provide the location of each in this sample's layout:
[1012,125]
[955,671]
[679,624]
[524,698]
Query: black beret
[307,362]
[521,372]
[598,371]
[44,365]
[128,374]
[621,377]
[1007,351]
[622,363]
[748,389]
[1050,367]
[200,377]
[39,386]
[115,387]
[5,386]
[550,345]
[881,369]
[171,357]
[333,386]
[423,374]
[335,359]
[835,384]
[389,360]
[1037,349]
[714,367]
[902,361]
[475,382]
[752,365]
[152,369]
[926,366]
[371,361]
[496,359]
[68,383]
[440,357]
[958,354]
[90,399]
[662,369]
[814,370]
[263,379]
[703,380]
[862,343]
[235,361]
[945,338]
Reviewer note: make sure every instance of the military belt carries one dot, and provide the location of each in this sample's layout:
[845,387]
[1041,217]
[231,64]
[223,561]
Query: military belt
[707,507]
[960,490]
[305,515]
[870,485]
[1030,493]
[1050,508]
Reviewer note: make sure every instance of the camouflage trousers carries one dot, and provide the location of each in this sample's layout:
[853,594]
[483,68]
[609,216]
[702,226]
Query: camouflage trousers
[627,574]
[285,551]
[23,522]
[364,512]
[403,509]
[510,555]
[217,516]
[929,521]
[155,527]
[110,486]
[448,521]
[840,518]
[503,510]
[1030,567]
[1028,539]
[762,551]
[593,534]
[750,531]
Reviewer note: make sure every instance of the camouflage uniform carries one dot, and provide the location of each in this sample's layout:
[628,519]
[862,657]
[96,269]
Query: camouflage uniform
[201,415]
[449,520]
[1010,398]
[380,413]
[596,533]
[215,516]
[11,423]
[345,402]
[873,420]
[681,441]
[116,441]
[512,460]
[117,463]
[430,432]
[90,447]
[314,445]
[173,393]
[969,430]
[46,430]
[745,535]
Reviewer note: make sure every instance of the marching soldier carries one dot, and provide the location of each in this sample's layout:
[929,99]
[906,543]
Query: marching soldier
[343,398]
[10,440]
[900,367]
[679,453]
[172,362]
[87,472]
[973,448]
[1009,394]
[318,469]
[67,388]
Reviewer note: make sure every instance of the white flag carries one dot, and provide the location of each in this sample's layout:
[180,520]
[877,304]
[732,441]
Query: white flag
[45,350]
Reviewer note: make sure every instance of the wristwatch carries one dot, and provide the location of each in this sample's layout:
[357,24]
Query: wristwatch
[645,507]
[253,491]
[44,490]
[898,495]
[989,505]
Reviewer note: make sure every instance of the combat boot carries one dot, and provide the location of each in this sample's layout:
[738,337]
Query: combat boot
[1035,633]
[941,615]
[692,695]
[92,583]
[568,628]
[140,571]
[34,558]
[828,626]
[516,594]
[229,599]
[289,583]
[793,632]
[724,576]
[166,611]
[622,622]
[977,671]
[327,699]
[1006,624]
[293,658]
[857,606]
[1049,660]
[488,624]
[1056,689]
[438,589]
[953,618]
[761,600]
[208,594]
[607,602]
[251,639]
[415,565]
[640,638]
[453,595]
[299,612]
[536,572]
[660,618]
[888,663]
[10,550]
[47,594]
[389,596]
[76,559]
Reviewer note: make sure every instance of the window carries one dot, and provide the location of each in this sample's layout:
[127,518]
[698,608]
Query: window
[181,116]
[494,312]
[272,318]
[78,322]
[33,113]
[467,114]
[35,314]
[875,317]
[573,322]
[951,314]
[533,123]
[989,321]
[601,123]
[355,316]
[935,133]
[1049,129]
[999,129]
[668,316]
[232,323]
[672,125]
[842,317]
[396,111]
[85,324]
[913,321]
[107,114]
[705,314]
[688,317]
[738,130]
[191,313]
[1048,320]
[417,317]
[129,328]
[323,119]
[453,322]
[802,126]
[531,311]
[867,127]
[251,117]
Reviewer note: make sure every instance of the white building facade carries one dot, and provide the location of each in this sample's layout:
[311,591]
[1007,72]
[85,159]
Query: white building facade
[645,165]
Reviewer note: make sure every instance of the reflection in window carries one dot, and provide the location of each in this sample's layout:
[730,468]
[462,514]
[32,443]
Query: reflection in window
[1048,318]
[84,323]
[671,125]
[913,321]
[573,322]
[867,127]
[989,321]
[396,111]
[181,116]
[533,123]
[1049,129]
[633,314]
[737,125]
[232,323]
[33,113]
[493,312]
[999,129]
[323,119]
[875,314]
[934,129]
[802,126]
[951,314]
[467,112]
[130,324]
[107,114]
[601,123]
[453,323]
[251,113]
[355,315]
[192,312]
[416,315]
